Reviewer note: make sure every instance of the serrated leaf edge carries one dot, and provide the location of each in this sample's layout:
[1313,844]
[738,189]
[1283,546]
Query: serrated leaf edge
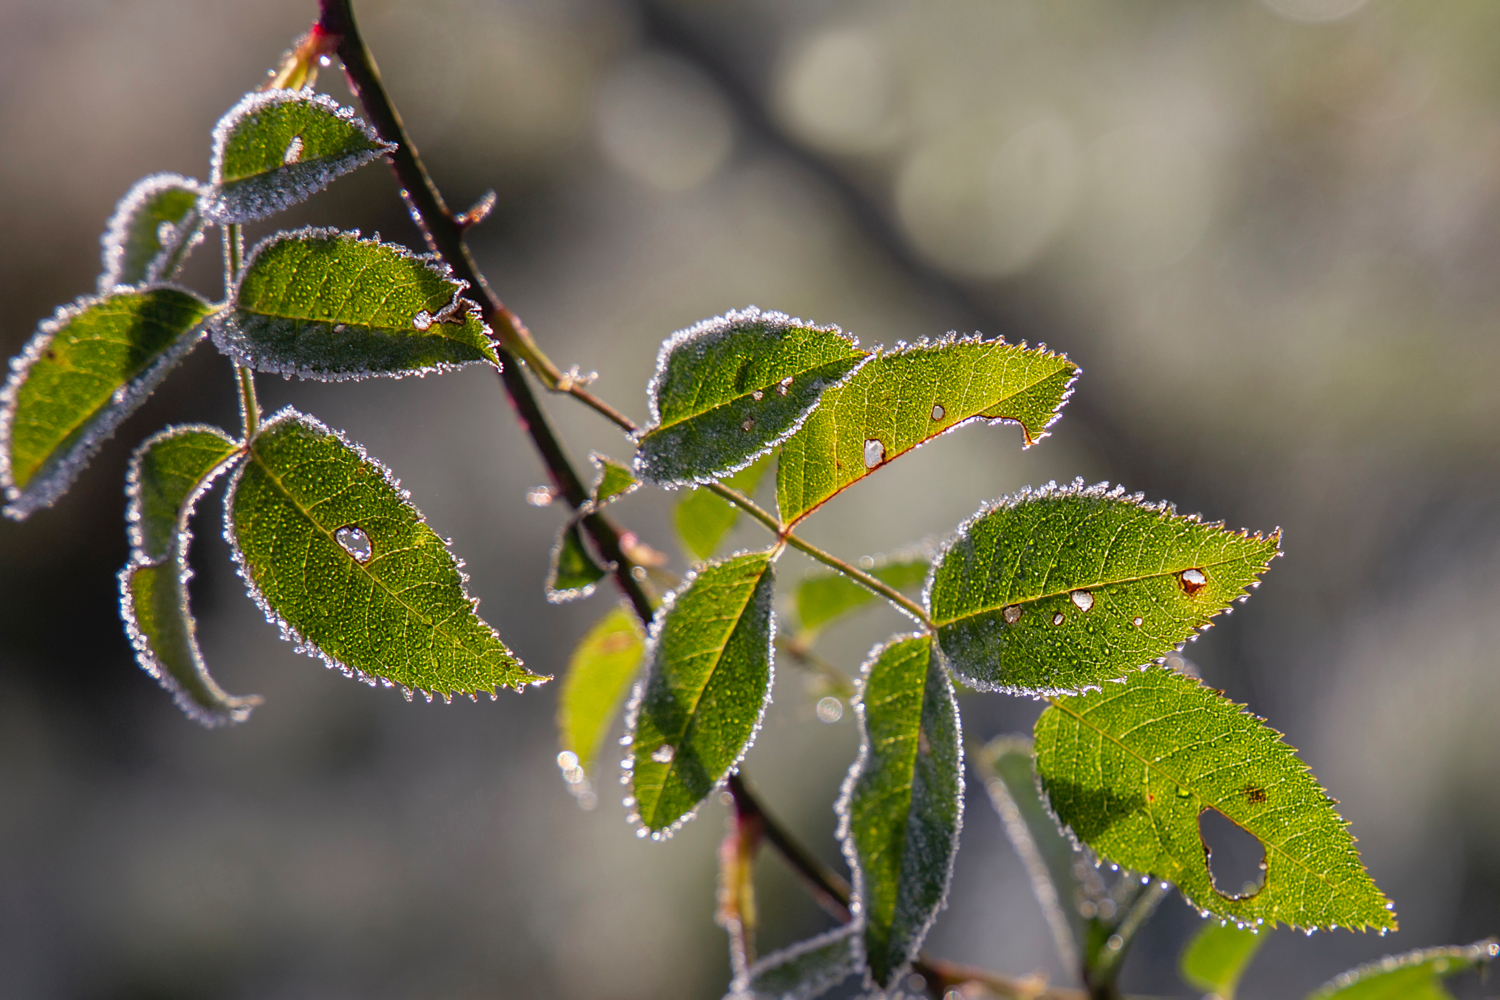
[1480,951]
[741,988]
[593,503]
[117,230]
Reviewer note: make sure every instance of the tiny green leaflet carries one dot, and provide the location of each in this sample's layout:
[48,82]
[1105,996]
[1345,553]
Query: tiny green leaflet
[155,226]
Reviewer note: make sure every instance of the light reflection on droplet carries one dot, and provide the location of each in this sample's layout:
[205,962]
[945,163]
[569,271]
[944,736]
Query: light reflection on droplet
[540,496]
[293,151]
[664,753]
[355,542]
[1011,614]
[1082,599]
[830,709]
[874,453]
[422,320]
[938,413]
[1057,619]
[1192,581]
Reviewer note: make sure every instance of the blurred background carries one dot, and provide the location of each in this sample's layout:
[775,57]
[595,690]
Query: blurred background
[1268,230]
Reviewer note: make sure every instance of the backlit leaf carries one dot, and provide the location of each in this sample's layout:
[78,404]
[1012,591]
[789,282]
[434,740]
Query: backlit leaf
[703,518]
[733,387]
[153,229]
[335,554]
[1131,768]
[804,971]
[910,395]
[902,803]
[1217,957]
[823,597]
[327,305]
[277,147]
[615,480]
[1057,590]
[707,685]
[573,572]
[168,473]
[86,370]
[599,675]
[1417,975]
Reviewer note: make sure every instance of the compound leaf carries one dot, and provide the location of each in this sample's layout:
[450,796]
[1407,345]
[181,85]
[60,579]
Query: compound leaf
[153,229]
[908,396]
[599,674]
[615,480]
[573,572]
[733,387]
[168,473]
[1417,975]
[333,552]
[328,305]
[804,971]
[1057,590]
[823,597]
[277,147]
[707,685]
[86,370]
[703,518]
[1217,957]
[1131,768]
[902,803]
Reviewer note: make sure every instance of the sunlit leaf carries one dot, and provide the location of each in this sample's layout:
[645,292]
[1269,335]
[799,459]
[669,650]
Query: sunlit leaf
[1217,956]
[703,518]
[1056,590]
[573,572]
[804,971]
[598,677]
[277,147]
[1417,975]
[823,597]
[910,395]
[168,473]
[1131,768]
[733,387]
[707,685]
[154,228]
[902,803]
[86,370]
[335,554]
[327,305]
[615,480]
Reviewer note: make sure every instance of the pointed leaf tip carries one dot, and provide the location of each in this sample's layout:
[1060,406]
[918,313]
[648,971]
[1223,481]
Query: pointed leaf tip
[615,480]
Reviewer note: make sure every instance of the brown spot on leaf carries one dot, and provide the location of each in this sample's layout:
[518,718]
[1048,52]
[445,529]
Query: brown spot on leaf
[1255,794]
[1192,581]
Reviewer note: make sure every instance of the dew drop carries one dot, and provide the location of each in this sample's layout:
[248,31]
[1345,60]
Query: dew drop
[757,395]
[1183,793]
[166,234]
[540,496]
[1192,581]
[1138,621]
[1011,614]
[748,424]
[664,753]
[938,413]
[642,832]
[830,709]
[422,320]
[784,386]
[325,61]
[1082,599]
[874,453]
[1057,619]
[355,542]
[293,151]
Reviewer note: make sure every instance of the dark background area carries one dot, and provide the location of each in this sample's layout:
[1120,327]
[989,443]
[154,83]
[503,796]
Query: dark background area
[1268,230]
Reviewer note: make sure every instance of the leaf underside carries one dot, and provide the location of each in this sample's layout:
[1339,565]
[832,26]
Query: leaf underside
[902,804]
[803,971]
[1416,975]
[598,677]
[573,572]
[732,388]
[1130,769]
[703,518]
[333,552]
[278,147]
[1058,590]
[824,597]
[153,229]
[905,397]
[86,370]
[328,305]
[168,473]
[707,684]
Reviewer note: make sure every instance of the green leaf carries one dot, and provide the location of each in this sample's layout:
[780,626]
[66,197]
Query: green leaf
[822,597]
[327,305]
[333,552]
[154,228]
[707,685]
[86,370]
[1057,590]
[278,147]
[703,518]
[573,572]
[599,674]
[615,480]
[1217,957]
[902,803]
[1131,768]
[168,473]
[908,396]
[804,971]
[732,388]
[1417,975]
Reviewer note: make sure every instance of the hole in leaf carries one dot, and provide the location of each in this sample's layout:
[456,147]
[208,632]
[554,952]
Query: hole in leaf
[1235,858]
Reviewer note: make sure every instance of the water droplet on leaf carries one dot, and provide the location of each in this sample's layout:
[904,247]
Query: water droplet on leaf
[757,395]
[355,542]
[874,453]
[422,320]
[1082,599]
[938,412]
[293,151]
[1137,621]
[664,753]
[1192,581]
[1011,614]
[784,386]
[748,424]
[830,709]
[1057,619]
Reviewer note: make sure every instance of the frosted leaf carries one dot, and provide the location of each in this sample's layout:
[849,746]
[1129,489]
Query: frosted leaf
[573,571]
[1416,975]
[804,971]
[328,305]
[85,370]
[168,473]
[154,228]
[277,147]
[615,480]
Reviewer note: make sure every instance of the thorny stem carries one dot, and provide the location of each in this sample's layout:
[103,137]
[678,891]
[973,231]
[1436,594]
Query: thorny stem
[234,250]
